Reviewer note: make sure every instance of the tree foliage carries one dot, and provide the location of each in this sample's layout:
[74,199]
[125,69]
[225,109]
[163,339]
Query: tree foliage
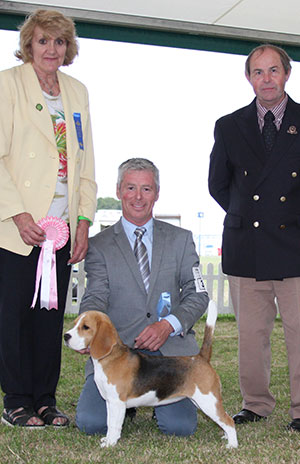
[108,203]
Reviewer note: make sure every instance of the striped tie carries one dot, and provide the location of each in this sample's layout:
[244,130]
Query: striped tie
[141,255]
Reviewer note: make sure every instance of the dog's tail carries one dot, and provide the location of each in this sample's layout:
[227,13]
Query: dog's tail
[212,313]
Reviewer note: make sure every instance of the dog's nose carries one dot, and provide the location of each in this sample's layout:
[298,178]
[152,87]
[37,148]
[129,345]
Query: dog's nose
[67,337]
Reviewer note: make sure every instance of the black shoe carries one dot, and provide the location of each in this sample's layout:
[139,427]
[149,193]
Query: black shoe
[131,413]
[245,416]
[294,425]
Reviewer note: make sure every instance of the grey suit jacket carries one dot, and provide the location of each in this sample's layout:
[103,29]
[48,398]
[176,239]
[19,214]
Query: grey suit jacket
[115,286]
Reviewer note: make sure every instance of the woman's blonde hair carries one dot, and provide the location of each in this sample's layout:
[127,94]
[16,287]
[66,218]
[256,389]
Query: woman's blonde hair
[51,22]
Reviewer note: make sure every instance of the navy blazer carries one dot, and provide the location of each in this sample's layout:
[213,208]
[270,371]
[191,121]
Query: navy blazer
[260,194]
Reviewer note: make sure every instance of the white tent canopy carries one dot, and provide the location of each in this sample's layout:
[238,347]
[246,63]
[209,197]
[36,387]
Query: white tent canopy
[265,20]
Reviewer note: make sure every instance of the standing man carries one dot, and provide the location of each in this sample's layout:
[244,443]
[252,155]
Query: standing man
[145,275]
[255,176]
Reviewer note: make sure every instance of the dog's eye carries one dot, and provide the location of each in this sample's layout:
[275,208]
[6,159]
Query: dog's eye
[85,327]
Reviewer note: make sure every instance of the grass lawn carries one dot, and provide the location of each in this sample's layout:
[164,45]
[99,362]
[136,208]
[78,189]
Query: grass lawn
[261,443]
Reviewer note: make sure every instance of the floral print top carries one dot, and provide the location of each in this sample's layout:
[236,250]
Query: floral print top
[59,205]
[59,126]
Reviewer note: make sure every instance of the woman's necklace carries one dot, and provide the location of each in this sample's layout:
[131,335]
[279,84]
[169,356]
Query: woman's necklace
[48,87]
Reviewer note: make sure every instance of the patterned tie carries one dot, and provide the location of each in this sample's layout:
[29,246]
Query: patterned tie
[141,255]
[269,131]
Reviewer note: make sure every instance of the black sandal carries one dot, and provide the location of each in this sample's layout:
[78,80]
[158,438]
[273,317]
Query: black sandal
[18,417]
[50,413]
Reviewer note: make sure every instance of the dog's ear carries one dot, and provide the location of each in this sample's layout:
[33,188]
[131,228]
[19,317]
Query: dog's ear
[104,340]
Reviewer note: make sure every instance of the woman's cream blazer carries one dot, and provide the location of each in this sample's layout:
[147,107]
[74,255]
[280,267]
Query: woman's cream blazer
[28,154]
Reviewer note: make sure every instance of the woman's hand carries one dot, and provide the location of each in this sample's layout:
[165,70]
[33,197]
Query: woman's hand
[81,242]
[29,231]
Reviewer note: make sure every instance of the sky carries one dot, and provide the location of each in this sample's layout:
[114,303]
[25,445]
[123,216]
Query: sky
[159,103]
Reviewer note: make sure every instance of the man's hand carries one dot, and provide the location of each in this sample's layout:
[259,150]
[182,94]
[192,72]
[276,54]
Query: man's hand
[81,242]
[29,231]
[154,336]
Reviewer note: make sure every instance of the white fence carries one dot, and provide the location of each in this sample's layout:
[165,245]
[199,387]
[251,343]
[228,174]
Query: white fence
[218,288]
[216,284]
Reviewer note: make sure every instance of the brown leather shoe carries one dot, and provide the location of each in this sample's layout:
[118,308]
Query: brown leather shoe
[245,416]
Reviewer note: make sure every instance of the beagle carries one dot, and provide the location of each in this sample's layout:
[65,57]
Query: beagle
[127,378]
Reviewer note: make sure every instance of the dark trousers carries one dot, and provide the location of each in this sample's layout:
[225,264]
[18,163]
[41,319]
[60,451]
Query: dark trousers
[30,339]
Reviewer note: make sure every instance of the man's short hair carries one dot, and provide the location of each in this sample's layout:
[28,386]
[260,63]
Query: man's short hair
[284,57]
[138,164]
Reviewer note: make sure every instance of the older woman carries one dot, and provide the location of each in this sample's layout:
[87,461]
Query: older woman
[46,169]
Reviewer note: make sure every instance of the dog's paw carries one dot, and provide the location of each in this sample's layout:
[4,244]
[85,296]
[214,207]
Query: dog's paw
[232,441]
[231,445]
[106,442]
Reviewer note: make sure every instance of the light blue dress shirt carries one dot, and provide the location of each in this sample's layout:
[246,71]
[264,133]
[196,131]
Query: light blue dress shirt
[147,239]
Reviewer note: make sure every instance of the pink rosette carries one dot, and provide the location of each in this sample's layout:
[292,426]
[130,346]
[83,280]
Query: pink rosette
[55,229]
[57,234]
